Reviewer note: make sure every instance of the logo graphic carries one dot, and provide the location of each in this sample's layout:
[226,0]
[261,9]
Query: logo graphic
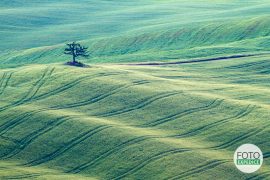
[248,158]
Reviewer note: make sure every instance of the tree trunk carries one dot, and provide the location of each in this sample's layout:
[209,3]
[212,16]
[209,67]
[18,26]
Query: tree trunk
[74,58]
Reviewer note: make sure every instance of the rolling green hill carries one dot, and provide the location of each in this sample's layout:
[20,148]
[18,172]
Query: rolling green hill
[120,31]
[143,122]
[48,22]
[173,88]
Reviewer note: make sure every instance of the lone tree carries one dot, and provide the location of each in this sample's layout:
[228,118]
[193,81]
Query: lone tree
[76,50]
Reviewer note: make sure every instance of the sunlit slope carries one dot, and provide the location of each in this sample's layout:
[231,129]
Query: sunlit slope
[143,122]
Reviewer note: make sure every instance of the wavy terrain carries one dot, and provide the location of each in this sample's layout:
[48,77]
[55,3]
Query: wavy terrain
[173,87]
[132,31]
[129,121]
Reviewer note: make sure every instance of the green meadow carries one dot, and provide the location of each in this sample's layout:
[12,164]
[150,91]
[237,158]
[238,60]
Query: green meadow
[172,89]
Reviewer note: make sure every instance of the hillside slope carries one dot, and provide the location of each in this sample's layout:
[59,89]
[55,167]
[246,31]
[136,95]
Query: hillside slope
[36,23]
[131,31]
[173,88]
[143,122]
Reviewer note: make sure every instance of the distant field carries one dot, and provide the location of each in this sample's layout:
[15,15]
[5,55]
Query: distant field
[173,88]
[128,31]
[48,22]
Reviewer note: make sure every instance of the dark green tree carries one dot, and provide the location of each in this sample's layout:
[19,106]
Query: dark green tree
[75,50]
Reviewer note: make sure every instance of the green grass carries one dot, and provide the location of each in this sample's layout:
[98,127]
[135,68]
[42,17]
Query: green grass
[132,31]
[118,120]
[134,121]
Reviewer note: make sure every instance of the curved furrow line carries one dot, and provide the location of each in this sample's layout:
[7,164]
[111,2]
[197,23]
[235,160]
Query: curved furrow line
[3,78]
[60,89]
[150,160]
[72,143]
[53,92]
[23,176]
[44,80]
[23,143]
[106,154]
[18,120]
[89,101]
[247,65]
[211,105]
[246,97]
[36,57]
[264,175]
[248,111]
[110,73]
[97,98]
[13,123]
[140,105]
[70,85]
[196,131]
[32,92]
[266,155]
[36,84]
[14,141]
[238,139]
[39,84]
[199,169]
[4,82]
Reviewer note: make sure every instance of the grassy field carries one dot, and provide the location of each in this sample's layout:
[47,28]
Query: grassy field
[173,88]
[128,31]
[143,122]
[52,22]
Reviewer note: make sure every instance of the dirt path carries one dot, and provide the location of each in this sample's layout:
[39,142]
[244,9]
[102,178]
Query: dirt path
[197,60]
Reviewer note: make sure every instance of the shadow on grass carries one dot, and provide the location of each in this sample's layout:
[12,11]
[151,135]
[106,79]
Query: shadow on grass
[77,64]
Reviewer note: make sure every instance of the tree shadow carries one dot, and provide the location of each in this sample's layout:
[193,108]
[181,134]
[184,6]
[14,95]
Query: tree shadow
[77,64]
